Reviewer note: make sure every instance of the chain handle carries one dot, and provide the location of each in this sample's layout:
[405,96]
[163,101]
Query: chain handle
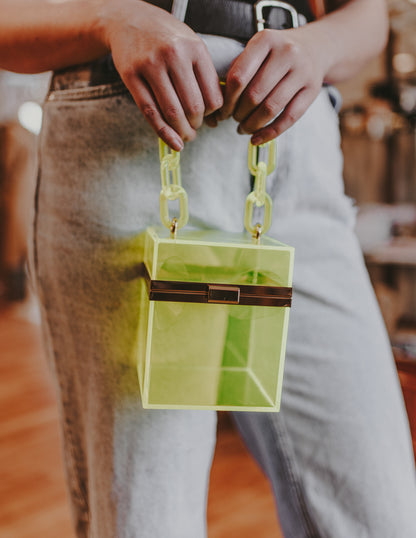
[170,173]
[172,189]
[259,197]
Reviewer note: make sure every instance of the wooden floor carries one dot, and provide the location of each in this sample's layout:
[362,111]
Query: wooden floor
[33,502]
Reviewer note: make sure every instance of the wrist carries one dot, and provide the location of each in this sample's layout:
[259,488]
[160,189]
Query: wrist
[322,45]
[105,16]
[114,15]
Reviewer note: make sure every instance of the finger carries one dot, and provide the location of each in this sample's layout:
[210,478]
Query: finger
[169,103]
[274,103]
[294,110]
[189,93]
[266,79]
[147,104]
[211,120]
[240,74]
[209,85]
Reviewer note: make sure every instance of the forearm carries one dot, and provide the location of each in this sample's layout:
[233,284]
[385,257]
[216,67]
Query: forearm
[350,36]
[168,72]
[40,35]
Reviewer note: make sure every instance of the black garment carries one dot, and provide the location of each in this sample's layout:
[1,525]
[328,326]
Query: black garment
[234,18]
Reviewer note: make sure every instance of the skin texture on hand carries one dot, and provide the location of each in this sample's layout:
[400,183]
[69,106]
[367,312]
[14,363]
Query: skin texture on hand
[163,63]
[279,74]
[169,72]
[172,78]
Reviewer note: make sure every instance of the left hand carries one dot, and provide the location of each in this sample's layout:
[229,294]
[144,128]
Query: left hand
[272,83]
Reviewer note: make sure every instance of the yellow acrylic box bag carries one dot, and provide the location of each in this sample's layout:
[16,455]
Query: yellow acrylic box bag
[214,306]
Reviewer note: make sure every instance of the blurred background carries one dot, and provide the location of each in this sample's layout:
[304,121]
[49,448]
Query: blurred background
[378,125]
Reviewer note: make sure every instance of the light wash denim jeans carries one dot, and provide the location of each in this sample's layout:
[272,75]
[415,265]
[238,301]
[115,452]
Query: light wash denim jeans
[338,455]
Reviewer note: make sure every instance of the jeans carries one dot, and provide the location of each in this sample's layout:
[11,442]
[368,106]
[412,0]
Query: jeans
[338,455]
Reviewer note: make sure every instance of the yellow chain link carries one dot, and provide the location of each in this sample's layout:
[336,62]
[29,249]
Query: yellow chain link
[172,189]
[259,197]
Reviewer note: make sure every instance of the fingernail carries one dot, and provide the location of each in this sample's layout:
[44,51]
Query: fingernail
[178,143]
[256,140]
[240,130]
[211,121]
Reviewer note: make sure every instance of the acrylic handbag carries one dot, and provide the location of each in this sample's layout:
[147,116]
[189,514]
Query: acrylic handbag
[214,306]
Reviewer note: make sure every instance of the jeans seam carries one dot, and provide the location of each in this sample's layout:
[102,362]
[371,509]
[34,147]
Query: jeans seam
[88,93]
[73,485]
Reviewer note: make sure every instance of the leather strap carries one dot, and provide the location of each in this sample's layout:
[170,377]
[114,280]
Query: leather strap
[318,8]
[234,18]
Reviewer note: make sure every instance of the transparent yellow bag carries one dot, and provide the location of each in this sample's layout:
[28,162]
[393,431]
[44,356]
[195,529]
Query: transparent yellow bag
[214,307]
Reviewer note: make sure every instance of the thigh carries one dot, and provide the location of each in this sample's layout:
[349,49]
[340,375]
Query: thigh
[131,472]
[339,454]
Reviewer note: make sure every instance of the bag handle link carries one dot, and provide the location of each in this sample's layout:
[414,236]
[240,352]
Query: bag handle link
[259,197]
[172,189]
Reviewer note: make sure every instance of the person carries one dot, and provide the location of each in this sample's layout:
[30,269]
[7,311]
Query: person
[338,455]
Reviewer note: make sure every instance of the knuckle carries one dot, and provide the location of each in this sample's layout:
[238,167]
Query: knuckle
[129,73]
[199,48]
[267,35]
[189,136]
[291,49]
[258,36]
[269,108]
[195,111]
[171,114]
[162,132]
[150,112]
[273,131]
[235,81]
[292,115]
[170,51]
[254,96]
[215,102]
[147,63]
[248,128]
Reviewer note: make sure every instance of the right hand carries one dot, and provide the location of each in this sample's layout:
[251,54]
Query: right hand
[165,66]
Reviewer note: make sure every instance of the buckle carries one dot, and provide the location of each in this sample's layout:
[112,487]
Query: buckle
[261,4]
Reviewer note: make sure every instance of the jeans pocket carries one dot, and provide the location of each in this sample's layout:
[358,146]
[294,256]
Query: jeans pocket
[88,81]
[88,92]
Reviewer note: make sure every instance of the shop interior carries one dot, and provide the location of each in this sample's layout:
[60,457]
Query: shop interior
[378,127]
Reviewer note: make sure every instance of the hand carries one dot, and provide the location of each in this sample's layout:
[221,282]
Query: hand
[165,66]
[274,81]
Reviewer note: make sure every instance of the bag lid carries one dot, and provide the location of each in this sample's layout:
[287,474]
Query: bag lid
[217,267]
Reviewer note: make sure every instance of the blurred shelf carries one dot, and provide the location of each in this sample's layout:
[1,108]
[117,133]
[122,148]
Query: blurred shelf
[400,252]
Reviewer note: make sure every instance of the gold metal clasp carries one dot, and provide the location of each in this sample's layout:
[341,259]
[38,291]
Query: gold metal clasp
[223,294]
[259,6]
